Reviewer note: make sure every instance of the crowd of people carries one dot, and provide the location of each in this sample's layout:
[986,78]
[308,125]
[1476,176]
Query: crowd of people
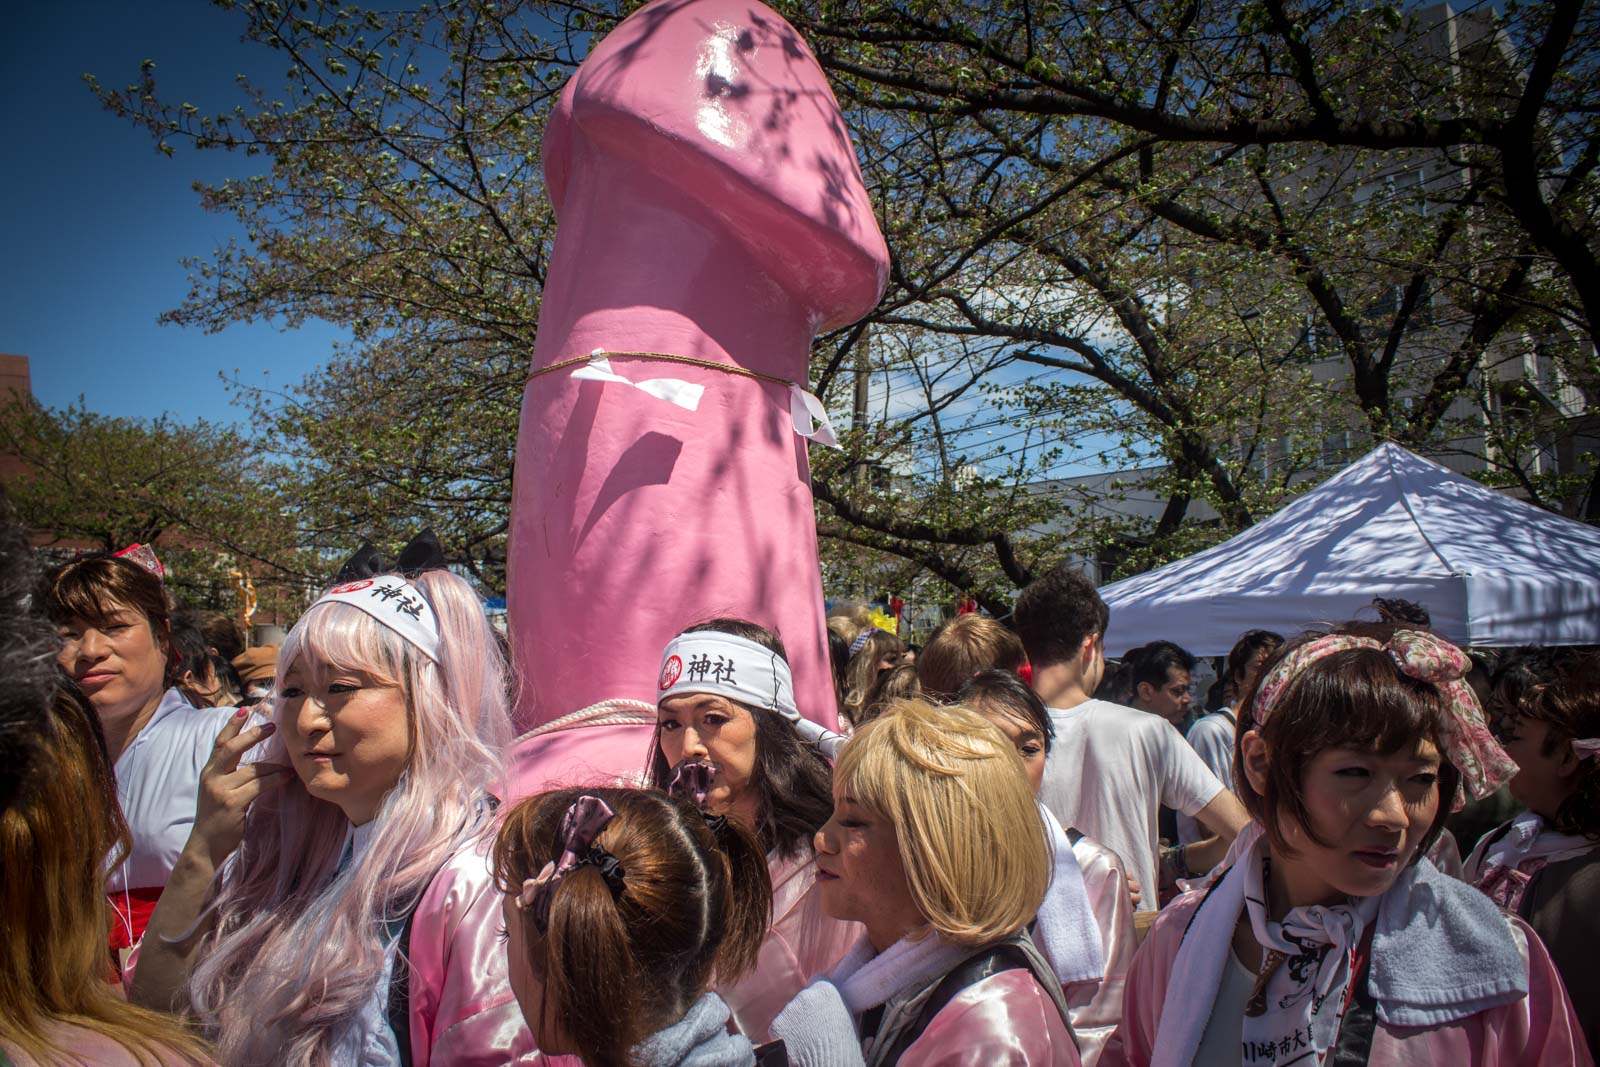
[1009,854]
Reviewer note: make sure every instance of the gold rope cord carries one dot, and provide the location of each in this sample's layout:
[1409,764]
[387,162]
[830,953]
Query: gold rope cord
[693,361]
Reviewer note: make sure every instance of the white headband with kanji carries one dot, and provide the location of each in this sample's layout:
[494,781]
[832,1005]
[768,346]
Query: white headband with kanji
[397,604]
[709,661]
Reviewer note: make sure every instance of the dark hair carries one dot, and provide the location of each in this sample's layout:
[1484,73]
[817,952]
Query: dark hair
[1559,687]
[192,652]
[1355,698]
[1056,613]
[28,649]
[898,683]
[1244,650]
[190,649]
[1113,685]
[794,784]
[223,633]
[617,968]
[1007,693]
[1150,664]
[96,587]
[960,648]
[838,660]
[1402,612]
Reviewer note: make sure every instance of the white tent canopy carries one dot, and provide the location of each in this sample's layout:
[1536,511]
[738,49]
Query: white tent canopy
[1491,570]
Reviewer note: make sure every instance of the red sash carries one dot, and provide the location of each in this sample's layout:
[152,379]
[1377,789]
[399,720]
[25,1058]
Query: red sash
[133,908]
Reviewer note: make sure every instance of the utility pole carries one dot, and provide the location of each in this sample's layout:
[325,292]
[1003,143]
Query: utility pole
[858,413]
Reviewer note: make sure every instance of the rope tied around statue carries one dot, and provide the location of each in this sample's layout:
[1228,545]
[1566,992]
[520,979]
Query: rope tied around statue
[809,416]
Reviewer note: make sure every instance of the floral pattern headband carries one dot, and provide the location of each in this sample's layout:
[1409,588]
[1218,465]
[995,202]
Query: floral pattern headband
[143,556]
[1468,744]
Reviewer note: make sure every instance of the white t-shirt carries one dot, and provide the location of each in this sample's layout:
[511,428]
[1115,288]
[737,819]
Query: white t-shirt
[1110,770]
[158,783]
[1212,737]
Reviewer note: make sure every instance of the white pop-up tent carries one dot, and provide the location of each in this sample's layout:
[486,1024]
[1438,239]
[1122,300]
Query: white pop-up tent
[1491,570]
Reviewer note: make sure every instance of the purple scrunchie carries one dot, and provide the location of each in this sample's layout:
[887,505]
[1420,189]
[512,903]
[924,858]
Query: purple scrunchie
[580,825]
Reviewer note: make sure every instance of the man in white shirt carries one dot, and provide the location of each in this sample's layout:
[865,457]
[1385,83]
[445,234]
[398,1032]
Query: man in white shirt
[1111,767]
[1212,735]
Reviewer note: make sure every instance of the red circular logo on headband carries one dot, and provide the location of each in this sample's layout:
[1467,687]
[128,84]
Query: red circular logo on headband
[350,587]
[670,671]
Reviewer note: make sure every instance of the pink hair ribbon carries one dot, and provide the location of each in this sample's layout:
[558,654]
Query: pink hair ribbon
[1467,742]
[1586,747]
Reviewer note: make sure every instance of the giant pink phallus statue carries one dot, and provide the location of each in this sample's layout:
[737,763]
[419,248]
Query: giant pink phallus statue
[710,207]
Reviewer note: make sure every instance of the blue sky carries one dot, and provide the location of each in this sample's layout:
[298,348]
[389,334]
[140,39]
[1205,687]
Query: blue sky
[94,220]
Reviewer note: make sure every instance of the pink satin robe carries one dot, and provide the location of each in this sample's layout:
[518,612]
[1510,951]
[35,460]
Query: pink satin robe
[1096,1007]
[1539,1029]
[802,943]
[1006,1020]
[463,1012]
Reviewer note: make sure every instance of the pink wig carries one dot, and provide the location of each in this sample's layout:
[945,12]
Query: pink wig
[297,945]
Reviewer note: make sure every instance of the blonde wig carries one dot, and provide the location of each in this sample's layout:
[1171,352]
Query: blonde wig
[968,828]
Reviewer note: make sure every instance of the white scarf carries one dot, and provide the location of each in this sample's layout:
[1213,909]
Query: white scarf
[1066,932]
[1527,839]
[1505,867]
[1314,946]
[819,1025]
[1308,954]
[866,980]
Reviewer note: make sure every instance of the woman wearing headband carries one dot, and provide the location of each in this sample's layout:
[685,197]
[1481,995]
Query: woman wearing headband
[115,625]
[937,847]
[1332,938]
[726,699]
[355,921]
[619,906]
[873,653]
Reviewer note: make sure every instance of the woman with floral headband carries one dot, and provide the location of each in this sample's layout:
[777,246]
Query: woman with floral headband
[620,904]
[1332,939]
[344,913]
[726,703]
[1544,865]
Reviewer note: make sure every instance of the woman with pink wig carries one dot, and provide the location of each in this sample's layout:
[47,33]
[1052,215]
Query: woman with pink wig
[345,913]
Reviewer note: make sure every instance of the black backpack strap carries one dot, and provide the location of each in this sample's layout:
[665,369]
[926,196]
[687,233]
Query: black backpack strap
[986,964]
[1360,1024]
[399,1008]
[399,1012]
[772,1054]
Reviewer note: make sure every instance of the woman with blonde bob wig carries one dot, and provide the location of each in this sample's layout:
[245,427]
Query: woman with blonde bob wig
[335,904]
[936,846]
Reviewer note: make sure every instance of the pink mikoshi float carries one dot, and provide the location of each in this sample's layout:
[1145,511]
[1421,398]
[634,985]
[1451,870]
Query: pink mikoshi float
[712,221]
